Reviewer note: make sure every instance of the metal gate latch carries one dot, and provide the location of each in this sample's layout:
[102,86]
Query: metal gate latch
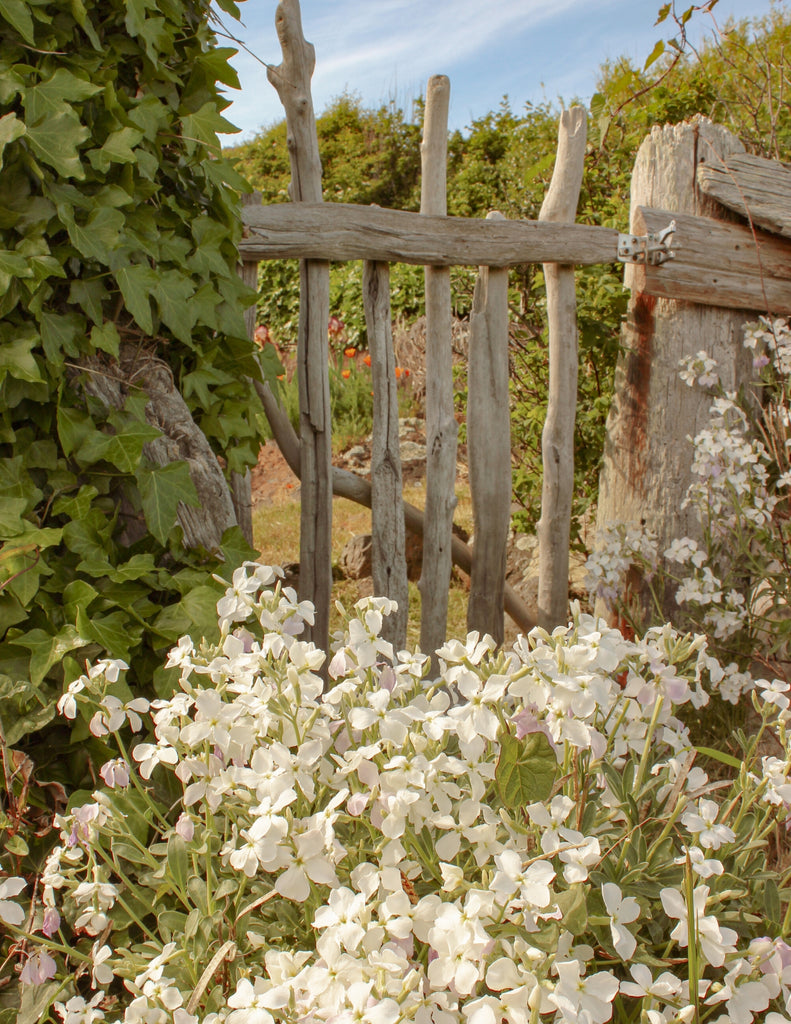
[653,248]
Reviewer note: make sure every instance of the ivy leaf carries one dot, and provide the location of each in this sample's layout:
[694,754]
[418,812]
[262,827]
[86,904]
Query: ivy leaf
[50,97]
[118,149]
[17,14]
[55,141]
[105,337]
[204,124]
[47,650]
[526,769]
[161,490]
[136,283]
[98,236]
[111,632]
[172,293]
[74,427]
[17,360]
[11,129]
[59,335]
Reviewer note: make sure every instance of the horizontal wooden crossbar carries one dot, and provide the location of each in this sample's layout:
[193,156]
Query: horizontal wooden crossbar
[718,264]
[341,231]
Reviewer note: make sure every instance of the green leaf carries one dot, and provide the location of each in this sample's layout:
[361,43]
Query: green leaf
[105,338]
[55,141]
[118,149]
[47,650]
[74,428]
[60,335]
[50,97]
[17,14]
[11,512]
[111,632]
[161,490]
[664,10]
[721,756]
[172,293]
[123,449]
[178,863]
[17,360]
[204,124]
[11,129]
[573,904]
[98,236]
[136,568]
[137,283]
[772,901]
[16,846]
[526,769]
[655,54]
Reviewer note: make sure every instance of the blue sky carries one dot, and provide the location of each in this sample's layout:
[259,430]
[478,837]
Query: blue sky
[531,50]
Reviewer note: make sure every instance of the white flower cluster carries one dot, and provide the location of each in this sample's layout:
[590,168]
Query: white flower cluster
[619,546]
[738,482]
[378,852]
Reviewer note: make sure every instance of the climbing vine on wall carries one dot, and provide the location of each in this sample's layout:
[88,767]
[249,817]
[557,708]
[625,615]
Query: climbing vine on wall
[119,222]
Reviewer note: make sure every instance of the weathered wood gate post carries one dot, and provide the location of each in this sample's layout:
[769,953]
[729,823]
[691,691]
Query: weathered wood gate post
[388,556]
[441,428]
[647,458]
[292,81]
[557,439]
[489,448]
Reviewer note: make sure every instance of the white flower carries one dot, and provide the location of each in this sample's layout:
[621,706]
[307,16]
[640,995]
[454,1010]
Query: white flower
[583,998]
[665,987]
[622,911]
[703,824]
[715,942]
[699,864]
[10,912]
[78,1011]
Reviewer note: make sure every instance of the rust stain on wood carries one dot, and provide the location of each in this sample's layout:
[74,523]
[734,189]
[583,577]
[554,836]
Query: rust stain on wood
[638,379]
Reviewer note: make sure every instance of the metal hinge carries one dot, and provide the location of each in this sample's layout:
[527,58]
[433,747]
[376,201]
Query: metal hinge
[651,248]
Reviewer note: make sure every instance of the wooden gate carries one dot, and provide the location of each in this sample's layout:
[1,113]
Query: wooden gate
[316,233]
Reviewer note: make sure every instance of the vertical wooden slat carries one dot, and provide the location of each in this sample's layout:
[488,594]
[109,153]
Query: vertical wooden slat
[387,516]
[291,78]
[241,483]
[441,428]
[557,441]
[489,448]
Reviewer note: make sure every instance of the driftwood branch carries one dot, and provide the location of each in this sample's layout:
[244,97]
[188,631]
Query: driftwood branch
[441,427]
[348,485]
[557,439]
[292,81]
[389,542]
[489,448]
[181,439]
[344,231]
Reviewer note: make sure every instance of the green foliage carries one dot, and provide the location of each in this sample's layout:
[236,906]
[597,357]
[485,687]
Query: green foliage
[118,233]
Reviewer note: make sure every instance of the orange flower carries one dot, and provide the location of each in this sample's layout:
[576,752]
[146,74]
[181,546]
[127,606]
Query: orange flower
[398,372]
[367,358]
[346,373]
[350,352]
[406,373]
